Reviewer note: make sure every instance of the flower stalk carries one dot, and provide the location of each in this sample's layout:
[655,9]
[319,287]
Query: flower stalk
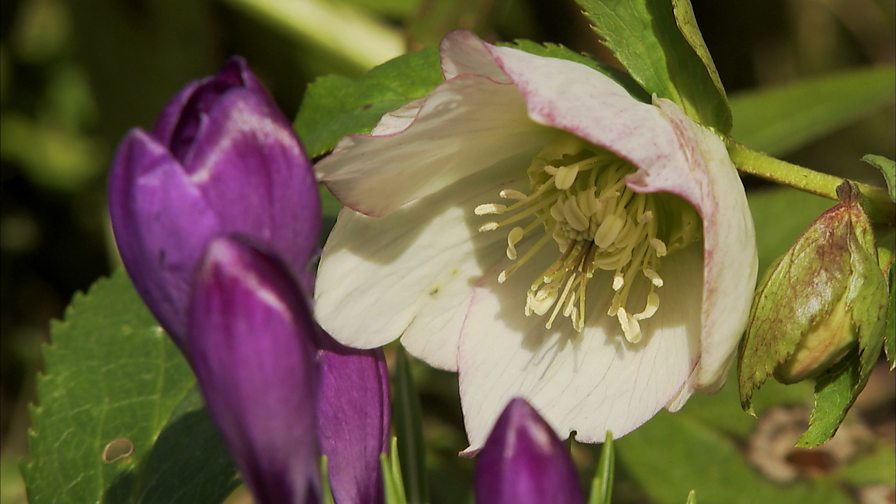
[877,204]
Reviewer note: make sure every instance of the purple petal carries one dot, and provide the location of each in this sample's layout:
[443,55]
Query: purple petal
[523,462]
[353,409]
[253,172]
[250,342]
[161,224]
[183,117]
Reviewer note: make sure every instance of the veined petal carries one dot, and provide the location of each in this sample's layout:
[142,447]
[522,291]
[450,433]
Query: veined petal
[706,177]
[161,224]
[588,382]
[252,171]
[353,412]
[410,273]
[251,347]
[569,96]
[465,125]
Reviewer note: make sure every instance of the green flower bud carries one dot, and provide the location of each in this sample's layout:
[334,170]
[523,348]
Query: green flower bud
[823,298]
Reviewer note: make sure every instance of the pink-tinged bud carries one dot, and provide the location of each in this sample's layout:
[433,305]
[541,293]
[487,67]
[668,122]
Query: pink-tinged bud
[823,298]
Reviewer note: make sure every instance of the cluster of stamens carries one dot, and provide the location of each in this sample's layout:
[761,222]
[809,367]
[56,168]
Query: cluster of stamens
[579,200]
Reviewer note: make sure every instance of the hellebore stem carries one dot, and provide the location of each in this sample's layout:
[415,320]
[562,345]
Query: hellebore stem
[878,205]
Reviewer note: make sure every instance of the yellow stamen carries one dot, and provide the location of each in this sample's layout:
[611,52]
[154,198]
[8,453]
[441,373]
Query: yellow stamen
[580,199]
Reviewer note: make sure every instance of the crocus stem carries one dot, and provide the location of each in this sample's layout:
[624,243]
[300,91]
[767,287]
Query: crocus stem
[879,207]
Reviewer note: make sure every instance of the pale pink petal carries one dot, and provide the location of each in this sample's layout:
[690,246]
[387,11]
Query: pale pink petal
[590,382]
[410,273]
[706,177]
[570,96]
[464,126]
[674,155]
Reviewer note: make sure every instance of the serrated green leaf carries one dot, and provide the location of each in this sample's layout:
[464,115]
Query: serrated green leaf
[708,463]
[834,394]
[867,301]
[781,119]
[409,429]
[646,38]
[887,168]
[120,419]
[687,24]
[602,483]
[335,106]
[558,51]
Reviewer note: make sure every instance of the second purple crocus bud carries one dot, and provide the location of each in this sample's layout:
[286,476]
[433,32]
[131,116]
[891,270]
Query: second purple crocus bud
[523,462]
[250,342]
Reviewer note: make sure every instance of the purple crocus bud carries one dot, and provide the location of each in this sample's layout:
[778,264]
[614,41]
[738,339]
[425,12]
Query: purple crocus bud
[250,345]
[353,412]
[222,158]
[524,462]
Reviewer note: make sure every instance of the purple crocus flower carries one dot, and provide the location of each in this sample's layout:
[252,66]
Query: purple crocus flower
[353,407]
[251,345]
[523,462]
[223,161]
[222,158]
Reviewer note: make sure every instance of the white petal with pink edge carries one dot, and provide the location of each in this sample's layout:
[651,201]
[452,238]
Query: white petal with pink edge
[591,382]
[464,126]
[410,274]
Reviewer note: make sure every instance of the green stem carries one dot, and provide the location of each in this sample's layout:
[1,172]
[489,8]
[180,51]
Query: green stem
[336,26]
[878,205]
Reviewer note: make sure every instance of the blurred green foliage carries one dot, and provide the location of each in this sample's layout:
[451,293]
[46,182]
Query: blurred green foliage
[76,74]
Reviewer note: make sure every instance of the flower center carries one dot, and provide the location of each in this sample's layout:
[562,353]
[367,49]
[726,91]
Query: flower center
[579,199]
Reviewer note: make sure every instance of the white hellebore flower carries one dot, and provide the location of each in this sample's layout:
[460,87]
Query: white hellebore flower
[533,227]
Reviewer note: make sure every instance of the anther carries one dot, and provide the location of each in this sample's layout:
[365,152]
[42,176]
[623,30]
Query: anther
[618,281]
[658,246]
[654,277]
[488,226]
[653,303]
[513,237]
[489,209]
[512,194]
[630,326]
[565,177]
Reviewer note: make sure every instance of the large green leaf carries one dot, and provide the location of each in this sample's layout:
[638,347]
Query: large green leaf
[662,48]
[335,106]
[120,418]
[672,454]
[779,120]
